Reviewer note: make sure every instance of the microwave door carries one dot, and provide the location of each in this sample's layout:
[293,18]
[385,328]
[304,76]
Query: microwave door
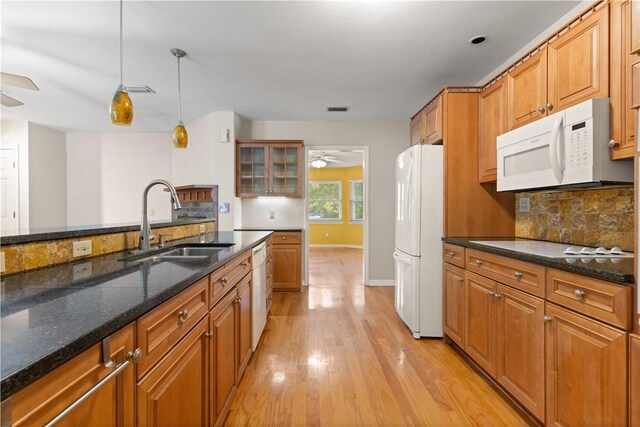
[556,149]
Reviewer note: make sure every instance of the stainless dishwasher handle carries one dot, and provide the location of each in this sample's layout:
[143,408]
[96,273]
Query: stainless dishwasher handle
[132,356]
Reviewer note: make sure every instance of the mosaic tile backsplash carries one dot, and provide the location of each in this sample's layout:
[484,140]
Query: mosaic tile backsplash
[596,217]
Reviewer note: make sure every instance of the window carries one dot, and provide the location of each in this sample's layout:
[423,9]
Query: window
[357,201]
[325,200]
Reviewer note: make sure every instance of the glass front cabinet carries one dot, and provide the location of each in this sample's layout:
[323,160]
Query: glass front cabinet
[269,168]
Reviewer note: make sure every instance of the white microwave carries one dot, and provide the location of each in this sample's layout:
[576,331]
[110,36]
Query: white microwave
[568,148]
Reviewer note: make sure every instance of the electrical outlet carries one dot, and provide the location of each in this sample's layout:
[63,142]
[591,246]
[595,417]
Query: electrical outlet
[153,212]
[82,248]
[272,214]
[524,204]
[2,266]
[201,228]
[82,271]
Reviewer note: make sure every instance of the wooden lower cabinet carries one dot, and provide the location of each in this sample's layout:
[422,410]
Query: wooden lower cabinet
[480,332]
[223,357]
[586,371]
[111,405]
[634,379]
[520,355]
[453,301]
[175,392]
[244,324]
[287,261]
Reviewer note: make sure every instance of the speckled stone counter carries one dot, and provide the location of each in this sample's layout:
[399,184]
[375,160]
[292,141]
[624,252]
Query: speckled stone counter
[621,273]
[49,315]
[56,233]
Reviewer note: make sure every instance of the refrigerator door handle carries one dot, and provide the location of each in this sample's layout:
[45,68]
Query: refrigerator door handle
[399,257]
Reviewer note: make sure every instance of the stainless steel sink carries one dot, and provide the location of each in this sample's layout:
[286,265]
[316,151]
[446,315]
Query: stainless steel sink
[174,258]
[193,251]
[180,254]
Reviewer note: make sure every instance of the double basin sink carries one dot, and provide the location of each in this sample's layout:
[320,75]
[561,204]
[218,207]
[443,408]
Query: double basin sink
[188,253]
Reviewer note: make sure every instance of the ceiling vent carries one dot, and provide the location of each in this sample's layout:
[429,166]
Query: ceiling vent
[338,109]
[140,89]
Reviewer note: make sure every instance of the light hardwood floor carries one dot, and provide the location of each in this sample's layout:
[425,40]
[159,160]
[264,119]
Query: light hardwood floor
[337,354]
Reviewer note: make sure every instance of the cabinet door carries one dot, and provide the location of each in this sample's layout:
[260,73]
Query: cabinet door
[252,160]
[527,91]
[432,118]
[453,295]
[223,358]
[174,393]
[635,26]
[417,129]
[623,117]
[112,405]
[244,325]
[493,122]
[285,174]
[480,321]
[579,62]
[586,371]
[634,379]
[286,267]
[520,361]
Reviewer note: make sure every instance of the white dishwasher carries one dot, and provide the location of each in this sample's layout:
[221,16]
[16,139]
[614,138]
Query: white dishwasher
[258,293]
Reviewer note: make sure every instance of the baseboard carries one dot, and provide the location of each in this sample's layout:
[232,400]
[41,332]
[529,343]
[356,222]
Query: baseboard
[381,283]
[336,246]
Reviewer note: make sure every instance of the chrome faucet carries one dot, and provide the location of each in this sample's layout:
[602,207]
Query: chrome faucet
[145,228]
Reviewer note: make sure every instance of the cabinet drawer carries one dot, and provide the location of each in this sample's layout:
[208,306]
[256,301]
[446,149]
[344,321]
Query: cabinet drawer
[286,238]
[453,254]
[228,276]
[160,329]
[519,274]
[602,300]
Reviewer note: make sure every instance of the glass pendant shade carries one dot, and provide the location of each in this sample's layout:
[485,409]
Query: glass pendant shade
[121,109]
[180,137]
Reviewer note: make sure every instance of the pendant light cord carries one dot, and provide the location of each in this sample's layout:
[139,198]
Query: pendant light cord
[121,41]
[179,94]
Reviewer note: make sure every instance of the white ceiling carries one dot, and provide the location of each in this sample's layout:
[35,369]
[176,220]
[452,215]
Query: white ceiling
[346,159]
[264,60]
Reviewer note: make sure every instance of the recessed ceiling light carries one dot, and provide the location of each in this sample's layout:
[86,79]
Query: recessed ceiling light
[477,39]
[338,109]
[140,89]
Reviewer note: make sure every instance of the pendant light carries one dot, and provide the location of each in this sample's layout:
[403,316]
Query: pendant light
[180,137]
[121,109]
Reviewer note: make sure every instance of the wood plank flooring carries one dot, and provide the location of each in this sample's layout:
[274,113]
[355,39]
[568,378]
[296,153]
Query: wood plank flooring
[337,354]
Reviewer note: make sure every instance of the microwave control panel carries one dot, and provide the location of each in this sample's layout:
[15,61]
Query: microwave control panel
[578,146]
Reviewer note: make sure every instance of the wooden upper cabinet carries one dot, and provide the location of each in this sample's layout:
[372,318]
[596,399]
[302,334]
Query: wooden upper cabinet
[433,121]
[269,168]
[417,128]
[111,405]
[623,116]
[635,27]
[527,91]
[493,122]
[586,371]
[578,62]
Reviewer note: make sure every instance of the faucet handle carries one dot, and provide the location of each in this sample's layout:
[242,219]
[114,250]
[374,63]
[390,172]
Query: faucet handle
[161,236]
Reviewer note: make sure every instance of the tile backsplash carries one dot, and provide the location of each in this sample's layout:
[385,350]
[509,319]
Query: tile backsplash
[595,217]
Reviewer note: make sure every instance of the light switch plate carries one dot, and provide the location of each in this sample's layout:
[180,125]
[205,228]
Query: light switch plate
[82,248]
[201,228]
[524,204]
[272,214]
[2,265]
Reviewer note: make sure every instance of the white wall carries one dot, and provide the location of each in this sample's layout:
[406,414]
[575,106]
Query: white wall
[15,133]
[130,162]
[543,35]
[47,177]
[385,139]
[208,161]
[84,182]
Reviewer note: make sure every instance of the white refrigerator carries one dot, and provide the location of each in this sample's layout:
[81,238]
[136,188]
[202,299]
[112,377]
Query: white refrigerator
[419,229]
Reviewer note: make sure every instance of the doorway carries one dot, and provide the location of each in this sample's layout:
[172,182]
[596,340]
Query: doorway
[9,206]
[336,213]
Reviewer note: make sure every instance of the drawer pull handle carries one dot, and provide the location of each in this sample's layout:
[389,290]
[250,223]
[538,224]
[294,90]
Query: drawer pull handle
[478,262]
[579,293]
[208,334]
[238,300]
[284,237]
[517,275]
[224,281]
[183,314]
[244,264]
[451,253]
[132,356]
[497,295]
[546,319]
[492,294]
[461,279]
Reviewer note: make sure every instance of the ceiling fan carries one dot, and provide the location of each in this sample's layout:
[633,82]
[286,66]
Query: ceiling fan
[22,82]
[320,159]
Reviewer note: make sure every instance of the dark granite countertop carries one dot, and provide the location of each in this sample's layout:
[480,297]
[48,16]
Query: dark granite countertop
[621,273]
[270,229]
[55,233]
[49,315]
